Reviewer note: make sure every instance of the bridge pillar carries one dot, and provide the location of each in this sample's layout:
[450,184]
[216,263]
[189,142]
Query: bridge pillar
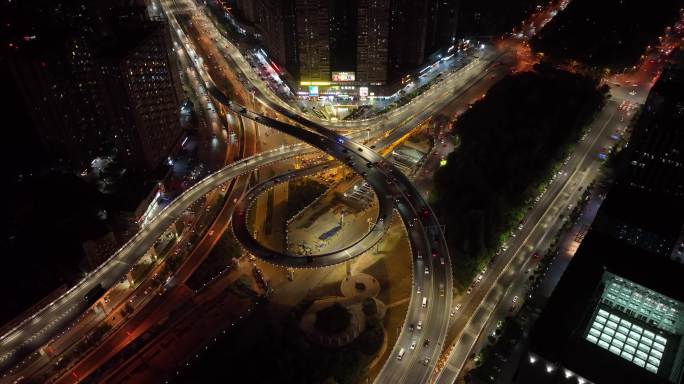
[129,278]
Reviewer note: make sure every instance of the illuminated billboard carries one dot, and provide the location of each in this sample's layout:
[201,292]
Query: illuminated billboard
[313,90]
[363,91]
[343,76]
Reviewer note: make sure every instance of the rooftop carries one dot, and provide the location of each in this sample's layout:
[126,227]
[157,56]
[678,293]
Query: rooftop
[615,316]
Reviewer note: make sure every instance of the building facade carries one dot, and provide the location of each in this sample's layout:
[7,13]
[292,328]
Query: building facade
[372,40]
[655,156]
[111,90]
[351,44]
[313,39]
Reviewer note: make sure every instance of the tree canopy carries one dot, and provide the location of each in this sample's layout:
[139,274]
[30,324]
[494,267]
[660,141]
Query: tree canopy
[510,141]
[332,319]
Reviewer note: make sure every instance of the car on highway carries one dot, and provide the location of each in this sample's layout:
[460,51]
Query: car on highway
[401,354]
[425,301]
[427,270]
[470,290]
[441,289]
[426,342]
[535,255]
[420,325]
[413,345]
[426,361]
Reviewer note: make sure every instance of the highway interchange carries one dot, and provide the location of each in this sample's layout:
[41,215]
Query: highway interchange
[392,189]
[47,323]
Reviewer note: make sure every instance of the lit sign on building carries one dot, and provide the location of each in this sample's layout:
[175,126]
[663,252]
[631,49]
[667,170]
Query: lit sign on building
[313,90]
[363,91]
[343,76]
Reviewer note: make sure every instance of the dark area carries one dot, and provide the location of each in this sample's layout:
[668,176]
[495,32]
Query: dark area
[611,33]
[333,319]
[510,142]
[494,355]
[43,239]
[274,341]
[221,257]
[493,17]
[302,193]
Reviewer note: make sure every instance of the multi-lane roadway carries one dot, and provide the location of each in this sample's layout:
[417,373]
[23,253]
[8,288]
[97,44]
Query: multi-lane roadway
[50,320]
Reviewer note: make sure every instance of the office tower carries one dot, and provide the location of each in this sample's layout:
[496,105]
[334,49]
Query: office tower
[616,316]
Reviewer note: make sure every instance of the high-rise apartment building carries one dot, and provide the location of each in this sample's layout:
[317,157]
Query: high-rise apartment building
[443,24]
[275,21]
[343,20]
[372,40]
[352,43]
[141,79]
[313,39]
[97,89]
[408,34]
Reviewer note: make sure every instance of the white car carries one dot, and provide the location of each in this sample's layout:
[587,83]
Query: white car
[515,299]
[427,270]
[420,325]
[413,344]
